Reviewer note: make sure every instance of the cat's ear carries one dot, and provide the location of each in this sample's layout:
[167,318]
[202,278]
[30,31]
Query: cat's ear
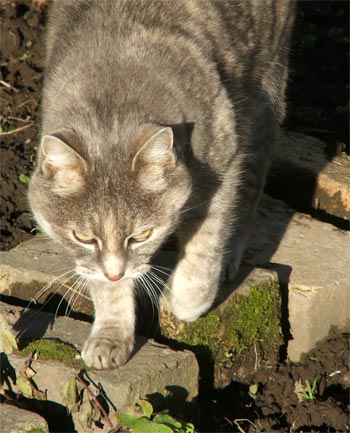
[61,163]
[155,158]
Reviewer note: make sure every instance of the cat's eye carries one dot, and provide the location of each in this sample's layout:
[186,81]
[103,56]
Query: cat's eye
[84,238]
[140,237]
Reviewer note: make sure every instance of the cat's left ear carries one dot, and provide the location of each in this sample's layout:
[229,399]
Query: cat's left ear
[62,164]
[158,149]
[155,158]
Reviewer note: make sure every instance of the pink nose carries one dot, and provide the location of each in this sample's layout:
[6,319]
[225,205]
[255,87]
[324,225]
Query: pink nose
[114,277]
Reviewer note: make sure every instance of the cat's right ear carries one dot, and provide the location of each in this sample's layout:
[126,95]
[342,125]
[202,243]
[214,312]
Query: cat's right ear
[62,164]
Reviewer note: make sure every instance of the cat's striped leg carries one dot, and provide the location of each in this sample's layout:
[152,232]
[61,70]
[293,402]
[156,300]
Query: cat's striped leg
[195,280]
[112,336]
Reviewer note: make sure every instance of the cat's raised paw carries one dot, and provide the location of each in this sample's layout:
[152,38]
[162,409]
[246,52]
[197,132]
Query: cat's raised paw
[102,353]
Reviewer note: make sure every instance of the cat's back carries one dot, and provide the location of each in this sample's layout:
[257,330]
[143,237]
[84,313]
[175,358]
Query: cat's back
[221,30]
[173,49]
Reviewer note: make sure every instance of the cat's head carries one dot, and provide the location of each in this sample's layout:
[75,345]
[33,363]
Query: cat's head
[112,209]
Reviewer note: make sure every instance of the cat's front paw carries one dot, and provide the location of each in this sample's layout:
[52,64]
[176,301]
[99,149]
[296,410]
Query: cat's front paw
[102,353]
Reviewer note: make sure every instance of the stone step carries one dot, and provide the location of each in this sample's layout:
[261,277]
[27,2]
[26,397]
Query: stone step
[155,371]
[17,420]
[304,177]
[312,260]
[39,265]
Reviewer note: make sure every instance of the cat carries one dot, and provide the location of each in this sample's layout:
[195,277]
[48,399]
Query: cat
[158,117]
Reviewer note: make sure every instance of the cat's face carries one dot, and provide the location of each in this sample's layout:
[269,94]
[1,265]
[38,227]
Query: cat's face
[112,214]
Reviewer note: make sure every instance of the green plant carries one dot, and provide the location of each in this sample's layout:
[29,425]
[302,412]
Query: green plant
[24,178]
[309,391]
[313,358]
[253,391]
[32,158]
[141,419]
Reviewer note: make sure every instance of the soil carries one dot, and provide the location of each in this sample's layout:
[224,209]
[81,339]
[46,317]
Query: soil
[277,404]
[21,78]
[317,106]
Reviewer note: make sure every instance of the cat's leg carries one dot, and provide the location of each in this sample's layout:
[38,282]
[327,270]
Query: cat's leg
[112,336]
[195,280]
[254,168]
[213,245]
[248,198]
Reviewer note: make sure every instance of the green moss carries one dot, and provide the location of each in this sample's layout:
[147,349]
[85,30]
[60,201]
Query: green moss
[237,326]
[51,349]
[254,318]
[202,332]
[36,430]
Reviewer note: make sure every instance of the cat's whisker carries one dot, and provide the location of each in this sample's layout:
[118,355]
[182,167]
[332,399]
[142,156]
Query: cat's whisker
[71,288]
[47,286]
[41,293]
[156,284]
[152,292]
[194,206]
[154,277]
[157,269]
[156,280]
[79,293]
[63,284]
[149,291]
[160,281]
[143,291]
[56,292]
[162,267]
[75,292]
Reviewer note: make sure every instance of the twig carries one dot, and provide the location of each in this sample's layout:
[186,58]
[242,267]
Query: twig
[14,131]
[25,102]
[238,420]
[8,86]
[238,426]
[18,119]
[256,357]
[95,399]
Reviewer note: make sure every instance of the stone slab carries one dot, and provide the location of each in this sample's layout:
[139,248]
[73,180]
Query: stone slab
[152,370]
[16,420]
[39,266]
[313,259]
[302,168]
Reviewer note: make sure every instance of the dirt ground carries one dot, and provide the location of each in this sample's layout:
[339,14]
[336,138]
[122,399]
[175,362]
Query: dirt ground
[317,106]
[277,404]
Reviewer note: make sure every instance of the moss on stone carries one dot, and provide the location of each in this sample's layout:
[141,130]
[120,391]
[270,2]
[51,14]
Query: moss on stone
[204,331]
[255,317]
[237,325]
[51,349]
[36,430]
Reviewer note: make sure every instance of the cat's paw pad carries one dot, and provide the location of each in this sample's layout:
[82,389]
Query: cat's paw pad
[102,353]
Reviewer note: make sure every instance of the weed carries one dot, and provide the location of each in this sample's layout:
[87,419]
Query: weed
[253,391]
[309,391]
[141,419]
[24,178]
[313,358]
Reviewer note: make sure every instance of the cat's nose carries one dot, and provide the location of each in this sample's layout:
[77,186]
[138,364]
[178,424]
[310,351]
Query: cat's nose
[113,277]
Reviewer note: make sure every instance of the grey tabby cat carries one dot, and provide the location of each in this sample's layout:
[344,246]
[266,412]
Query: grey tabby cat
[158,116]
